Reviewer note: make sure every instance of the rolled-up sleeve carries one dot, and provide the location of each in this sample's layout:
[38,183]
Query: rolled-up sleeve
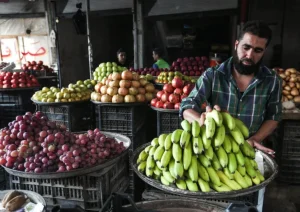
[200,94]
[274,106]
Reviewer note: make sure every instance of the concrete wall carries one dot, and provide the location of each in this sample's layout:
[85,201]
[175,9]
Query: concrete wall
[108,34]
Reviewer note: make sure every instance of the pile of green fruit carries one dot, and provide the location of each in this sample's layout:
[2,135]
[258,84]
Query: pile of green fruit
[167,77]
[214,156]
[75,92]
[105,69]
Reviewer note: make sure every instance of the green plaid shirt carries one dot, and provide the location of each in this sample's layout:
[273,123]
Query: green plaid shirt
[260,101]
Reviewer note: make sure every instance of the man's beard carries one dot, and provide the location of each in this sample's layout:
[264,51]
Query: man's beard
[245,69]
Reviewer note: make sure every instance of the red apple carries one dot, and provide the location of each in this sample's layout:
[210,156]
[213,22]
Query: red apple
[13,81]
[159,104]
[176,68]
[198,58]
[30,67]
[177,82]
[159,94]
[197,73]
[153,102]
[22,85]
[178,91]
[185,59]
[190,68]
[33,63]
[168,88]
[157,73]
[151,69]
[22,80]
[200,63]
[174,98]
[168,105]
[29,85]
[40,63]
[204,58]
[195,68]
[192,73]
[186,73]
[174,64]
[182,64]
[14,85]
[177,106]
[183,96]
[28,63]
[189,63]
[194,63]
[191,58]
[165,97]
[179,60]
[6,86]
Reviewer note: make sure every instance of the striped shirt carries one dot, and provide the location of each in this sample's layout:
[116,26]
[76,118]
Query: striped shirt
[261,100]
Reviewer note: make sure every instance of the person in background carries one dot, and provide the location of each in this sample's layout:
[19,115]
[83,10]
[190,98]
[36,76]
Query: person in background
[122,58]
[243,87]
[159,62]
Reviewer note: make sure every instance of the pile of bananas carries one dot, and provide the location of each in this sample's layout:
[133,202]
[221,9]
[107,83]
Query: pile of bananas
[214,156]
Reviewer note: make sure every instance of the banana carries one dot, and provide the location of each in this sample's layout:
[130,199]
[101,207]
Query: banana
[241,170]
[186,126]
[181,184]
[149,172]
[213,176]
[168,142]
[228,120]
[197,145]
[142,166]
[147,149]
[256,180]
[143,156]
[193,169]
[249,169]
[232,164]
[222,156]
[195,128]
[254,164]
[227,144]
[204,161]
[158,153]
[248,180]
[230,183]
[204,186]
[260,176]
[157,171]
[242,127]
[150,163]
[185,139]
[176,136]
[240,158]
[240,180]
[228,174]
[152,151]
[167,175]
[222,188]
[205,140]
[161,139]
[237,135]
[158,164]
[210,127]
[164,181]
[171,168]
[245,150]
[235,147]
[178,170]
[154,142]
[202,172]
[250,149]
[187,156]
[165,159]
[176,152]
[156,177]
[217,117]
[216,163]
[219,136]
[191,185]
[209,153]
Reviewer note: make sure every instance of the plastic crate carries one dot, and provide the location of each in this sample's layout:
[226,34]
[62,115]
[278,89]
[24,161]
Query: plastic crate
[167,122]
[126,120]
[291,139]
[87,191]
[17,97]
[76,117]
[289,170]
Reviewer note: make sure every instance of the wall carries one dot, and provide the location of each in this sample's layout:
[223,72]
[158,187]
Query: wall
[108,34]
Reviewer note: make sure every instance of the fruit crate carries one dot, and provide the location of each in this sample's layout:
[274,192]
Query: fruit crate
[75,116]
[289,170]
[88,191]
[291,139]
[167,121]
[154,194]
[16,96]
[126,119]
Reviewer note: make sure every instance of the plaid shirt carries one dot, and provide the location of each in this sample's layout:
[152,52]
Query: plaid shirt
[260,101]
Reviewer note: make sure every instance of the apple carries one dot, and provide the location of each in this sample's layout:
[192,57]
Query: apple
[28,85]
[177,106]
[33,63]
[200,63]
[197,73]
[190,68]
[188,88]
[165,97]
[174,98]
[189,63]
[28,63]
[168,105]
[6,86]
[159,94]
[179,60]
[14,85]
[178,91]
[195,68]
[174,64]
[191,58]
[168,88]
[204,58]
[157,73]
[30,67]
[176,68]
[183,96]
[153,102]
[198,58]
[177,82]
[21,80]
[159,104]
[182,64]
[206,63]
[22,85]
[186,73]
[192,73]
[40,63]
[13,81]
[185,59]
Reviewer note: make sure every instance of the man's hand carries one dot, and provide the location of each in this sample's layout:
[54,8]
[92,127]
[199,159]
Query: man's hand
[208,109]
[260,147]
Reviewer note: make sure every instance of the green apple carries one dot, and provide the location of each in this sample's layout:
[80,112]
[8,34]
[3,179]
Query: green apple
[102,65]
[114,64]
[108,64]
[109,69]
[103,69]
[114,69]
[98,69]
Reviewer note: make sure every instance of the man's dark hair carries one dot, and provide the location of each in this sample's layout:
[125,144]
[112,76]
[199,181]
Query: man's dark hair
[258,28]
[158,51]
[120,50]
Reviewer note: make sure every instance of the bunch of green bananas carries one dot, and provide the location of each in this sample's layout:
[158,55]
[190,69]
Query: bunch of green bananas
[214,156]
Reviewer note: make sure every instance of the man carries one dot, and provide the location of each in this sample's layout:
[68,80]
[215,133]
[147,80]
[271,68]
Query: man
[122,59]
[241,86]
[157,56]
